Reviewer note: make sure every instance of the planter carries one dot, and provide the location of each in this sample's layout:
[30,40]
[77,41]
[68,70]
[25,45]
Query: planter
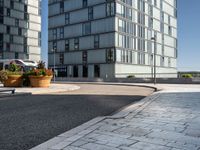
[13,81]
[40,81]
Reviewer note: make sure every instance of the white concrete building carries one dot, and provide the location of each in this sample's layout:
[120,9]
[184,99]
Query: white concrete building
[20,29]
[113,38]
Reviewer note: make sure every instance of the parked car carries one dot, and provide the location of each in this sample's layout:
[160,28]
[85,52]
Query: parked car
[25,64]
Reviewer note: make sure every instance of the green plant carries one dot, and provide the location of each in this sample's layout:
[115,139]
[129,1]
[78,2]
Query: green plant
[131,76]
[14,68]
[41,65]
[187,76]
[3,76]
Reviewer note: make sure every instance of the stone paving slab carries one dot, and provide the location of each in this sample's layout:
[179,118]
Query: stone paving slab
[163,121]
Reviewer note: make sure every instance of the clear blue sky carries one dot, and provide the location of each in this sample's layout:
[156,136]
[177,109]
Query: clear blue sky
[188,33]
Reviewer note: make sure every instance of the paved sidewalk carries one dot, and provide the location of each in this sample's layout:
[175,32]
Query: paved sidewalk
[164,121]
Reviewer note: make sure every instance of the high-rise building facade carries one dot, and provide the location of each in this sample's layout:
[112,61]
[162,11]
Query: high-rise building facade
[20,29]
[113,38]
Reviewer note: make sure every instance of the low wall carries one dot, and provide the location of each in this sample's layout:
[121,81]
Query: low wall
[135,80]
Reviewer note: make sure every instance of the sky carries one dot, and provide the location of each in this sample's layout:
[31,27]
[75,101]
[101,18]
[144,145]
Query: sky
[188,34]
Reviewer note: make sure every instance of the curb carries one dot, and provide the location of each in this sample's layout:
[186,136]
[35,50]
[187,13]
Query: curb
[65,139]
[109,83]
[16,94]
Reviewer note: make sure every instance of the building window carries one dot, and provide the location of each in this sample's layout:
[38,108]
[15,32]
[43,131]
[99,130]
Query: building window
[61,6]
[67,18]
[76,44]
[12,4]
[110,9]
[54,34]
[26,16]
[11,38]
[96,41]
[8,29]
[61,32]
[87,28]
[90,13]
[66,45]
[7,46]
[20,31]
[8,12]
[16,55]
[55,46]
[39,39]
[62,59]
[17,22]
[1,19]
[170,30]
[1,42]
[85,3]
[110,55]
[1,3]
[84,55]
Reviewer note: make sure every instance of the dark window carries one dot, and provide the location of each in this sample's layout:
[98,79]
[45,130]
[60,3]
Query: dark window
[25,41]
[84,55]
[55,46]
[7,47]
[87,28]
[66,45]
[1,42]
[85,71]
[96,41]
[62,58]
[67,18]
[25,8]
[20,31]
[11,38]
[54,34]
[110,55]
[1,2]
[1,19]
[12,4]
[110,9]
[61,32]
[85,3]
[61,7]
[1,11]
[96,71]
[75,71]
[90,13]
[8,12]
[17,22]
[76,44]
[16,55]
[8,29]
[26,16]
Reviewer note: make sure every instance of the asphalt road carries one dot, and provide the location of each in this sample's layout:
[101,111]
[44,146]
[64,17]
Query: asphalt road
[27,121]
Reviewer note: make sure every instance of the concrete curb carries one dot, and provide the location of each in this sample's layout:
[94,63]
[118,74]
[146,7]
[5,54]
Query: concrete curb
[65,139]
[16,94]
[109,83]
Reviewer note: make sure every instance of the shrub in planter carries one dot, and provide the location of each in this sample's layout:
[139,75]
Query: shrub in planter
[11,77]
[131,76]
[40,77]
[186,76]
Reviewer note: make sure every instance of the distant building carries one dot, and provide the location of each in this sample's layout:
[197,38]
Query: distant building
[20,29]
[113,38]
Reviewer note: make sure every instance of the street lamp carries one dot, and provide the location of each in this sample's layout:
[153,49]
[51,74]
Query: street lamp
[155,49]
[54,64]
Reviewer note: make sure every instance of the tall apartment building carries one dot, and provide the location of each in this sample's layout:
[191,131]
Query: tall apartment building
[20,29]
[113,38]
